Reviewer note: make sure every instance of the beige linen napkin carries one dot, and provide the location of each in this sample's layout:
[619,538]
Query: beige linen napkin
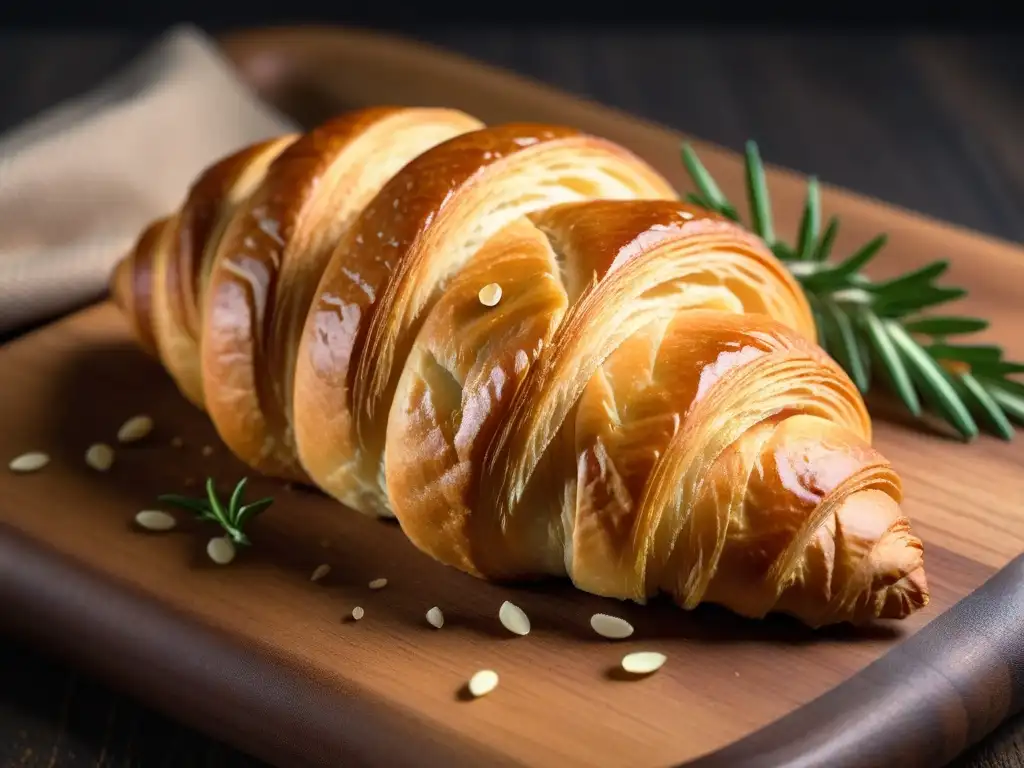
[79,183]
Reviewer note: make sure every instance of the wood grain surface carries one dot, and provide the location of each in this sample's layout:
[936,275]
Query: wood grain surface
[943,504]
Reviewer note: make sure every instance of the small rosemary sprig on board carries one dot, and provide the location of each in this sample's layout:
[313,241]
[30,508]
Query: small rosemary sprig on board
[232,517]
[877,331]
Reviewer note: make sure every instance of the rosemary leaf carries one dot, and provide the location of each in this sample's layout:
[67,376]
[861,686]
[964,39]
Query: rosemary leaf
[1009,385]
[906,283]
[824,248]
[693,197]
[916,300]
[232,519]
[934,381]
[199,506]
[757,193]
[865,359]
[835,277]
[810,223]
[878,333]
[782,251]
[996,369]
[706,183]
[848,351]
[215,505]
[978,353]
[1012,404]
[986,405]
[236,500]
[249,511]
[945,326]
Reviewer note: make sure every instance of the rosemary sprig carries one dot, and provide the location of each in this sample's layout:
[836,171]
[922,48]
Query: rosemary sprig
[878,331]
[232,518]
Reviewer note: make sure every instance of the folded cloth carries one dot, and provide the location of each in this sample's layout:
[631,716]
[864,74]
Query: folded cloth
[79,183]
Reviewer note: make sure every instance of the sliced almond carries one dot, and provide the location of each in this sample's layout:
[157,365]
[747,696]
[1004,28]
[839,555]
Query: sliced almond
[490,294]
[320,571]
[483,682]
[100,457]
[136,428]
[378,583]
[611,627]
[514,619]
[207,450]
[435,618]
[221,550]
[357,613]
[643,662]
[29,462]
[155,520]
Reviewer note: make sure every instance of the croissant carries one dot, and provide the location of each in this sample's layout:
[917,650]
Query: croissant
[519,343]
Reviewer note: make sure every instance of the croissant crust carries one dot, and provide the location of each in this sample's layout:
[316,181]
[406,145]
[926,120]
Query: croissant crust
[520,343]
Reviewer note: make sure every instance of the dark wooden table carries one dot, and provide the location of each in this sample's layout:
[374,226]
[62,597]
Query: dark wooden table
[929,123]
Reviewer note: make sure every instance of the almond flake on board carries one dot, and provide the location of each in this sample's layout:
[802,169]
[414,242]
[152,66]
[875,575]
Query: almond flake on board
[221,550]
[29,462]
[135,428]
[514,619]
[643,662]
[611,627]
[483,682]
[100,457]
[155,520]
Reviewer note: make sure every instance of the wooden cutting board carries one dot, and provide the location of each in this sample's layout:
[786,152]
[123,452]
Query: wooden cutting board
[258,654]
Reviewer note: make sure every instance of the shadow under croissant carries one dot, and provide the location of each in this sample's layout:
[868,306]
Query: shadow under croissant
[99,387]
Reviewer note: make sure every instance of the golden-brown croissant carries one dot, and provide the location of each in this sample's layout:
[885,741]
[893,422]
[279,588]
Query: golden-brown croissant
[519,343]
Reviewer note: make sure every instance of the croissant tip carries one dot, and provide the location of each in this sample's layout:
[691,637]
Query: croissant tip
[906,596]
[920,594]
